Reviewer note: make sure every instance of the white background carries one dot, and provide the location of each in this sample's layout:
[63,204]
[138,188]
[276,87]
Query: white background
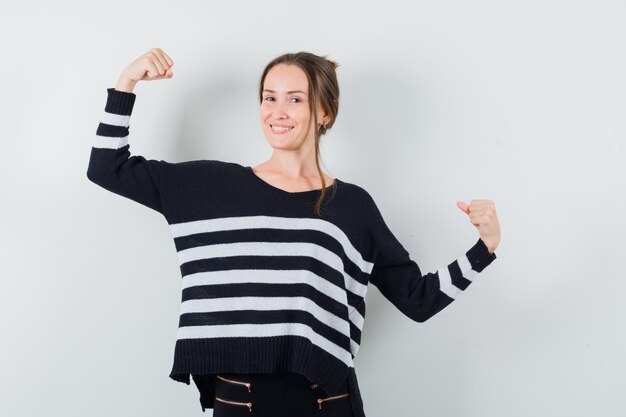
[519,102]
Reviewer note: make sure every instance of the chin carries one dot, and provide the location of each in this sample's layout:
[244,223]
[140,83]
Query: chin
[277,143]
[281,145]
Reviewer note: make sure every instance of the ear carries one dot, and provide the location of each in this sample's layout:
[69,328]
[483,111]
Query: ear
[325,119]
[322,117]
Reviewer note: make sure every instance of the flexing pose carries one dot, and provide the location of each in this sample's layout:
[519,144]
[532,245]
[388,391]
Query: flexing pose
[276,259]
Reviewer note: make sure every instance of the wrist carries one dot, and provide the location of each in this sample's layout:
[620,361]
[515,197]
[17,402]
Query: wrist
[490,247]
[125,84]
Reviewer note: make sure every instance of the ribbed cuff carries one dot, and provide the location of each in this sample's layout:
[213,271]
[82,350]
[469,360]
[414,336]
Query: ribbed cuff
[120,102]
[479,256]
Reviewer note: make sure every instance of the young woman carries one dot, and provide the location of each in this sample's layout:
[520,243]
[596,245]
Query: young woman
[276,259]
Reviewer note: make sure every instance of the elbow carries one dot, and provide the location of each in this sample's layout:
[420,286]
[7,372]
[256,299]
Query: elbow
[423,312]
[99,170]
[419,317]
[98,175]
[93,175]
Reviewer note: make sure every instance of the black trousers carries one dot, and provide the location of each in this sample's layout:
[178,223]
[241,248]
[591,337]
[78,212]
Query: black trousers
[277,395]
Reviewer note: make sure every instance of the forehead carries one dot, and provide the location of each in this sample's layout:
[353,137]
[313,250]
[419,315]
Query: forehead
[283,78]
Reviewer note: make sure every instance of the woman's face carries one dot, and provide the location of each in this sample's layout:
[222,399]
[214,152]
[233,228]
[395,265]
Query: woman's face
[285,108]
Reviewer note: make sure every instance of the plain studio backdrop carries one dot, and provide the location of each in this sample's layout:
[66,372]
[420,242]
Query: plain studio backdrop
[522,103]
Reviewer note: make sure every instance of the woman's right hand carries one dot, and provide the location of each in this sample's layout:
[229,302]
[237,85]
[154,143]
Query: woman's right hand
[153,65]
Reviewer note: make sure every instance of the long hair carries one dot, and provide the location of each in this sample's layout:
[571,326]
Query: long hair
[323,89]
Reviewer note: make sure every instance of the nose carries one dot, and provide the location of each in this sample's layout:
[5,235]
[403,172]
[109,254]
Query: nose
[278,110]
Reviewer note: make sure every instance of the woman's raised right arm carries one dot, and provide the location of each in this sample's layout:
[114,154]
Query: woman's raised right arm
[111,165]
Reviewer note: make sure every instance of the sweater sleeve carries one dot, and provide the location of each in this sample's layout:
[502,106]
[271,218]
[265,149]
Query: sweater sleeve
[111,165]
[419,297]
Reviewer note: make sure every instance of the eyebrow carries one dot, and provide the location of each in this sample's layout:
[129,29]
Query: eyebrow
[288,92]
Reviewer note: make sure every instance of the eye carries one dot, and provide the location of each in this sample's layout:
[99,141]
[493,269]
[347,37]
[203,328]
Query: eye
[296,98]
[268,97]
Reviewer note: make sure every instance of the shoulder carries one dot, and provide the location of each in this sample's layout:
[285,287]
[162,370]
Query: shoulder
[209,174]
[200,166]
[358,200]
[357,193]
[200,163]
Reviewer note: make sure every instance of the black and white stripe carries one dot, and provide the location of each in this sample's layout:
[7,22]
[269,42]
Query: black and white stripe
[284,288]
[249,271]
[117,123]
[250,254]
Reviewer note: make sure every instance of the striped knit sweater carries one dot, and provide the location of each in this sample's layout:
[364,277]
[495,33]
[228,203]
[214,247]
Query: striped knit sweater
[268,286]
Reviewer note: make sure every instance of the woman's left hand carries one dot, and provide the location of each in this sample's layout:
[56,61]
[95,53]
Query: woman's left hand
[482,214]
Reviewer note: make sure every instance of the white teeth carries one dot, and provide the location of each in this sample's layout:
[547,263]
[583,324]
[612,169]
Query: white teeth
[282,129]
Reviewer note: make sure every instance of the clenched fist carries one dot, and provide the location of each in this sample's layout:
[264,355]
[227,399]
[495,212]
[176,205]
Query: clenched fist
[482,214]
[153,65]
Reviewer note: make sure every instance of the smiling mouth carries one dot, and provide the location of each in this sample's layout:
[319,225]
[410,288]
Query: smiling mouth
[277,129]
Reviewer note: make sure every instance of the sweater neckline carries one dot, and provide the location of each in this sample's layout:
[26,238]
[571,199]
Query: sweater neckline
[284,192]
